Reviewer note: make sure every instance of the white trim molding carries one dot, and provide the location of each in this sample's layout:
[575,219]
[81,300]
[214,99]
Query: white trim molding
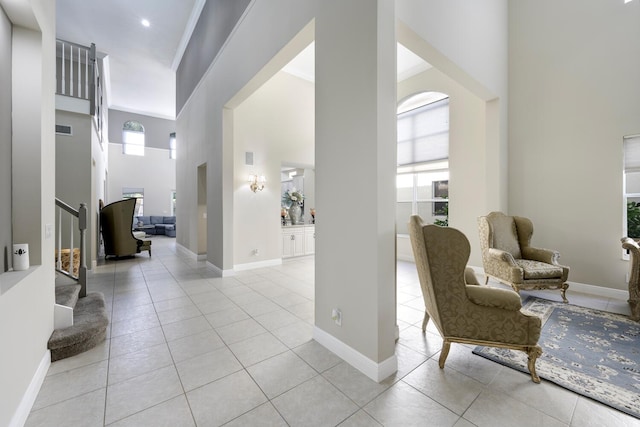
[28,399]
[257,264]
[374,370]
[223,273]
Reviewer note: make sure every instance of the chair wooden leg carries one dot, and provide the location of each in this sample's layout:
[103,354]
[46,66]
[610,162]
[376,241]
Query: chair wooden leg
[446,344]
[563,292]
[634,305]
[425,321]
[534,353]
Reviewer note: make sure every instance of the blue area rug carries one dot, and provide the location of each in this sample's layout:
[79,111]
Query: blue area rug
[591,352]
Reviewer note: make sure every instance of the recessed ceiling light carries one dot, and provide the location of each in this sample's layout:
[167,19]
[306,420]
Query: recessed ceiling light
[145,22]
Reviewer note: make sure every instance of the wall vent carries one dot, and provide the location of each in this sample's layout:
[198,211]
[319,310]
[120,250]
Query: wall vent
[248,158]
[64,130]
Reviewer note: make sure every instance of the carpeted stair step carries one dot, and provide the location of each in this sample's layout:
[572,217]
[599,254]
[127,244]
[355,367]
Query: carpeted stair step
[89,328]
[67,295]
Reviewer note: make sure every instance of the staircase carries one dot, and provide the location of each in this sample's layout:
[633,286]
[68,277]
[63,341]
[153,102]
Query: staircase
[89,327]
[80,318]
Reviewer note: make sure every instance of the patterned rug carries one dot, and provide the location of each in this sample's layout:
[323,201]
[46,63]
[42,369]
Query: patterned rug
[591,352]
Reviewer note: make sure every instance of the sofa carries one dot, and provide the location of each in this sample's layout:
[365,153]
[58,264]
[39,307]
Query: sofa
[157,224]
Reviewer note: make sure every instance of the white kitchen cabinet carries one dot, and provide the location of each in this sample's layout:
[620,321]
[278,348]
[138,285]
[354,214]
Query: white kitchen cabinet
[298,240]
[309,240]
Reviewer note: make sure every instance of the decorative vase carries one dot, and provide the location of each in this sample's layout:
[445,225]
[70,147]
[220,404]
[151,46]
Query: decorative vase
[295,212]
[21,256]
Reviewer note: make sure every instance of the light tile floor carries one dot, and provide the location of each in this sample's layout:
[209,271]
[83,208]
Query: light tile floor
[187,348]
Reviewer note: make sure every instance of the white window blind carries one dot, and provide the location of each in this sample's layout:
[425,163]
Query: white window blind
[632,153]
[423,134]
[133,138]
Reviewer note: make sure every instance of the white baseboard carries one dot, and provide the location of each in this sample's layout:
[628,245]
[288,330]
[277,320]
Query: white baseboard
[28,399]
[184,251]
[257,264]
[597,291]
[223,273]
[376,371]
[189,253]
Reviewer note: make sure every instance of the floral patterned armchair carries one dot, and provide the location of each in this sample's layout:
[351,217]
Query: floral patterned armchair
[462,312]
[507,255]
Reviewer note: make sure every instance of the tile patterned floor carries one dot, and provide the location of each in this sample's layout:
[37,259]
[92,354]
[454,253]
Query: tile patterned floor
[187,348]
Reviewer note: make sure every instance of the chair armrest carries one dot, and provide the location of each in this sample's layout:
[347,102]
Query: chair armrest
[542,255]
[470,276]
[499,255]
[493,297]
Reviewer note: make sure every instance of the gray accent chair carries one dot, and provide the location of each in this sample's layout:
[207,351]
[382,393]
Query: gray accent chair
[507,255]
[116,221]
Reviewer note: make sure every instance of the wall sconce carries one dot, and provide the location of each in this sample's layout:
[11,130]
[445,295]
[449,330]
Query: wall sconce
[256,182]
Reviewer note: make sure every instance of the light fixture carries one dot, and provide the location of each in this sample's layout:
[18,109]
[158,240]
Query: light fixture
[145,23]
[256,182]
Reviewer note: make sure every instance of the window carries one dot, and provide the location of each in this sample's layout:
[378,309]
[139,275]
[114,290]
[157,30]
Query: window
[631,185]
[423,133]
[173,203]
[422,181]
[416,194]
[138,194]
[172,145]
[133,138]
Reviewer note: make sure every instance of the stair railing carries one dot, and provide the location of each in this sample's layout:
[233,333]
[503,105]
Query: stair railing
[77,221]
[78,76]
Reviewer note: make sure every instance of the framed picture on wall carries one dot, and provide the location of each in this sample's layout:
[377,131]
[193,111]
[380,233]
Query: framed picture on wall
[440,191]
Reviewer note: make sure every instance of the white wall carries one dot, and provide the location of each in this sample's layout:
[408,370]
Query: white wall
[155,172]
[574,94]
[346,83]
[26,309]
[276,124]
[205,125]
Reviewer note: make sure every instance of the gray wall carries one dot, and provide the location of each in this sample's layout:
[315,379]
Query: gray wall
[217,20]
[5,142]
[156,130]
[567,120]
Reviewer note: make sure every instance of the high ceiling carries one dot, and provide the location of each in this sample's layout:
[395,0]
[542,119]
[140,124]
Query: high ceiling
[141,60]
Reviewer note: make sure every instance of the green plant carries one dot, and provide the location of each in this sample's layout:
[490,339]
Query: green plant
[633,219]
[445,222]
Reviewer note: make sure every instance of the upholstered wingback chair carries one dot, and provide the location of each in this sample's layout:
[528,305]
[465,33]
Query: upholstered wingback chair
[634,276]
[507,255]
[116,221]
[467,313]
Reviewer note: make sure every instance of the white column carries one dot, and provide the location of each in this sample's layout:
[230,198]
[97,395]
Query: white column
[355,182]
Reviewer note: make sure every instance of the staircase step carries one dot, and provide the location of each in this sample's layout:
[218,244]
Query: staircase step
[67,295]
[89,328]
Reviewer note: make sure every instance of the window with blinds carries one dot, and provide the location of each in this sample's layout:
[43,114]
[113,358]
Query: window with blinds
[423,134]
[632,185]
[133,138]
[422,184]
